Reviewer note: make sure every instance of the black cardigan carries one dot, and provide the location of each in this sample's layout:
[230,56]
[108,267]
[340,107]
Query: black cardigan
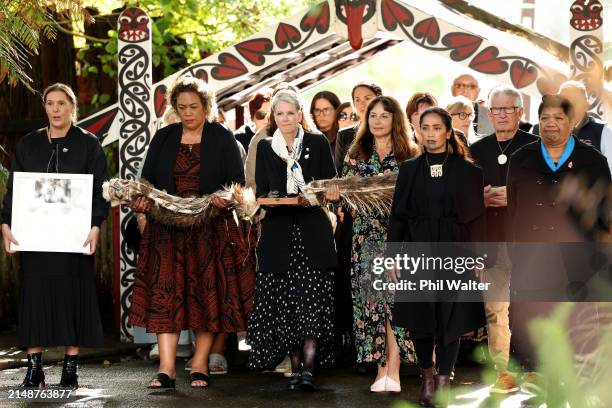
[271,175]
[219,157]
[79,152]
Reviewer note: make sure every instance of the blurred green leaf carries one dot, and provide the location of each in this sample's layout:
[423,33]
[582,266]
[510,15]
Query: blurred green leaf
[104,98]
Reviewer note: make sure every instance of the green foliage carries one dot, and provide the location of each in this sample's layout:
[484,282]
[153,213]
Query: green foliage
[581,380]
[187,31]
[21,25]
[184,31]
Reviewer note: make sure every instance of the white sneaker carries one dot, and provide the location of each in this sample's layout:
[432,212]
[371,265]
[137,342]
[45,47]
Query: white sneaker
[154,353]
[242,344]
[379,385]
[284,367]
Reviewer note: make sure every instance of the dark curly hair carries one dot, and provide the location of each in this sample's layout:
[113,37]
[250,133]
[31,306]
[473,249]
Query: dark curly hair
[198,87]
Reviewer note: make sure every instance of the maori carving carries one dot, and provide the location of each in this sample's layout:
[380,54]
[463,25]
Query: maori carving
[135,116]
[462,46]
[586,49]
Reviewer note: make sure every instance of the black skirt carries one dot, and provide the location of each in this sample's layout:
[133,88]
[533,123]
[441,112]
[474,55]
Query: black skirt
[290,308]
[58,304]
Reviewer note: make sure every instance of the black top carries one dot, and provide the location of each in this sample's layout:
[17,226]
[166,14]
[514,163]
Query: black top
[485,153]
[244,134]
[79,152]
[219,157]
[271,175]
[437,209]
[343,142]
[525,126]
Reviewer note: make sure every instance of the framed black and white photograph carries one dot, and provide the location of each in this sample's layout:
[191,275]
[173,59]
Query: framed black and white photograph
[51,212]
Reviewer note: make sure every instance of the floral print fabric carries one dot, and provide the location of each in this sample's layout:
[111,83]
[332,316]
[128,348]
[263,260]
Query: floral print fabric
[371,309]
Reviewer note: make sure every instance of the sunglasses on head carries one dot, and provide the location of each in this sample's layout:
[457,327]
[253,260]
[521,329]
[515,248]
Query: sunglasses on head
[345,116]
[261,115]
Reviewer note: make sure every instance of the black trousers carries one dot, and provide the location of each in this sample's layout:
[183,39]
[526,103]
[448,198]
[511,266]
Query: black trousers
[446,354]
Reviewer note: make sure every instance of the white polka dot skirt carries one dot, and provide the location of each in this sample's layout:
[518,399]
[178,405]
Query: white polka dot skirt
[292,307]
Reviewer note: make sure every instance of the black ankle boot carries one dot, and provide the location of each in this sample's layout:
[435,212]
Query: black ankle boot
[69,372]
[35,377]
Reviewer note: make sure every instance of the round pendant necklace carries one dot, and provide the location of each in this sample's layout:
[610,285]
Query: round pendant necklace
[502,158]
[436,170]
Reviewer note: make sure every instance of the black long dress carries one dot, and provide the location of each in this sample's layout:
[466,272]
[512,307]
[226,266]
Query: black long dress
[58,303]
[445,209]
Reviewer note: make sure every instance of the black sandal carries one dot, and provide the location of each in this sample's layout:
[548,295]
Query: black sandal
[199,377]
[164,381]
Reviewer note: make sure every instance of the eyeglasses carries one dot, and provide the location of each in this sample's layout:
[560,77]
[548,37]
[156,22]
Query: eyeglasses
[383,116]
[459,85]
[261,115]
[464,115]
[324,111]
[343,116]
[508,110]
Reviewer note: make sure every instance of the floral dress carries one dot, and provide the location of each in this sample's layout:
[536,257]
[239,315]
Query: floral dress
[371,309]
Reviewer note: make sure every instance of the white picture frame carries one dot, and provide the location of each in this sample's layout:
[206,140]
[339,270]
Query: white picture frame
[51,211]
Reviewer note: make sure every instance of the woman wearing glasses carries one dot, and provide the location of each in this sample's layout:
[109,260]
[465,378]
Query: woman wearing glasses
[323,111]
[259,108]
[381,144]
[346,116]
[462,112]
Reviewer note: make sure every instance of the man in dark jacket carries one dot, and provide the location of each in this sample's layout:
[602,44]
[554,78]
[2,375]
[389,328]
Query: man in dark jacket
[505,109]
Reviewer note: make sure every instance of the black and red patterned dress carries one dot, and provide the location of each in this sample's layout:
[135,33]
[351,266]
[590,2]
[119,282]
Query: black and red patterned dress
[199,278]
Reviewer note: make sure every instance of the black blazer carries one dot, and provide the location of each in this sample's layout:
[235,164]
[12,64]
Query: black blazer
[79,152]
[271,175]
[343,143]
[219,156]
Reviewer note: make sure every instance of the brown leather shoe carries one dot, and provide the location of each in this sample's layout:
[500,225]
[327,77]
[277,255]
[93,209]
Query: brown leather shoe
[442,387]
[427,386]
[505,384]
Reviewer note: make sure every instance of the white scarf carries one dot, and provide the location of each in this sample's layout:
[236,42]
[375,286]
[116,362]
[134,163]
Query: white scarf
[295,178]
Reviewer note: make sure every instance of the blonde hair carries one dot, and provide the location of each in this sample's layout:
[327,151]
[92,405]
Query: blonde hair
[459,103]
[200,88]
[67,91]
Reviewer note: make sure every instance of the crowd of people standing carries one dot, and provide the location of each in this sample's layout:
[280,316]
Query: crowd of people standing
[467,172]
